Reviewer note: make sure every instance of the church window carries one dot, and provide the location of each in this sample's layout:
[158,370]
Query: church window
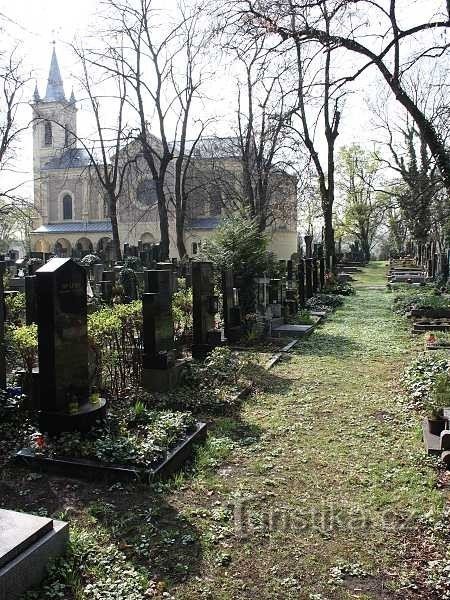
[106,208]
[48,137]
[215,203]
[67,208]
[66,136]
[146,193]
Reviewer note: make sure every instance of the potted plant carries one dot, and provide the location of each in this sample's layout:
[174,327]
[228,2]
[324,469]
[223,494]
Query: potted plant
[438,399]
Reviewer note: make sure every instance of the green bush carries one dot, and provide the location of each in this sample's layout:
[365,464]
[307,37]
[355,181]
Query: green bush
[212,386]
[24,343]
[340,288]
[302,318]
[15,308]
[324,302]
[426,298]
[115,337]
[123,439]
[182,307]
[420,376]
[238,244]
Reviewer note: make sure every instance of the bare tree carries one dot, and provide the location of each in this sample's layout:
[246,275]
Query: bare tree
[15,208]
[162,67]
[386,46]
[108,152]
[321,77]
[262,117]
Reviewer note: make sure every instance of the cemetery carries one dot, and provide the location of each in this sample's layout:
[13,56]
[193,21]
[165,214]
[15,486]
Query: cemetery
[224,300]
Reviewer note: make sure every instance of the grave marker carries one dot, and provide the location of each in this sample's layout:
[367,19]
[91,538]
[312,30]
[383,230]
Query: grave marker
[205,307]
[63,348]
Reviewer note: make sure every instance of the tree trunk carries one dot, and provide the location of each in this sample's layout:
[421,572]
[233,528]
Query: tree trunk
[328,237]
[117,250]
[163,226]
[181,246]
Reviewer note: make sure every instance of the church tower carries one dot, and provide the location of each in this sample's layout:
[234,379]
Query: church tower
[55,119]
[54,134]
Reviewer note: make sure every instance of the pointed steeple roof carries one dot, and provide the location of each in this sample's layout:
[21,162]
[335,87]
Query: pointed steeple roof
[72,98]
[36,96]
[55,88]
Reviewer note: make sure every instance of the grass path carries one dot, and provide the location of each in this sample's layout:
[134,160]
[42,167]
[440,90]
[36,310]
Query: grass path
[318,490]
[328,477]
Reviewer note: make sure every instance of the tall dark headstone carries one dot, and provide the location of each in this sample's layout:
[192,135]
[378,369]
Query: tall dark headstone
[308,277]
[231,309]
[315,276]
[308,246]
[301,283]
[161,371]
[63,348]
[322,272]
[30,299]
[205,307]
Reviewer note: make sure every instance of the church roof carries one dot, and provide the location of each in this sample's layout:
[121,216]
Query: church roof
[203,223]
[73,158]
[55,87]
[76,227]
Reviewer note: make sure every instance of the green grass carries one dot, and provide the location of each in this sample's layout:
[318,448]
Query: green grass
[319,490]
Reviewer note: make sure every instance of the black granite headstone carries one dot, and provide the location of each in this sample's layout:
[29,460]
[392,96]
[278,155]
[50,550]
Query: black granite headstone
[205,306]
[231,309]
[308,278]
[63,348]
[301,283]
[30,299]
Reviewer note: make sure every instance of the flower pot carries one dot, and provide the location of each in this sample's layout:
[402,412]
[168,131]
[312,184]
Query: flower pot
[437,424]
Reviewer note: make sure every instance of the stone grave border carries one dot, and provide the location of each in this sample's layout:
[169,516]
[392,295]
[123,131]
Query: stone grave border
[93,470]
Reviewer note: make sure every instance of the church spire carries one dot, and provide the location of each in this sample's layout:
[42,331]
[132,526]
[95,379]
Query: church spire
[36,96]
[55,88]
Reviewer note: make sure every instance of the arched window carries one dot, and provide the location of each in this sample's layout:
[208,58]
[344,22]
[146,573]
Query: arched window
[146,193]
[67,207]
[215,206]
[66,136]
[48,137]
[106,207]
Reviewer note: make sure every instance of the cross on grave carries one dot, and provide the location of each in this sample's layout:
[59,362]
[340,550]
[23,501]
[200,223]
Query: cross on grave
[63,348]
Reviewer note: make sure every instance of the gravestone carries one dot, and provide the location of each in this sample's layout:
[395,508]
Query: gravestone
[28,544]
[308,246]
[231,310]
[291,295]
[161,370]
[63,348]
[301,283]
[308,277]
[315,276]
[30,299]
[205,306]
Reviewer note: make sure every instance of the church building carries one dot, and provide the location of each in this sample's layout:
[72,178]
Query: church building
[72,217]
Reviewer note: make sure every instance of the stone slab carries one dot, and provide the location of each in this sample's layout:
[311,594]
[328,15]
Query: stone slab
[18,531]
[28,568]
[97,471]
[293,330]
